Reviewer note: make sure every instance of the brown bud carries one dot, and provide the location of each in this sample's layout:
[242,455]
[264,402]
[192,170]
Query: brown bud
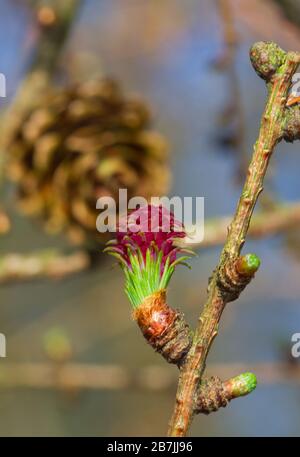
[163,327]
[291,130]
[212,396]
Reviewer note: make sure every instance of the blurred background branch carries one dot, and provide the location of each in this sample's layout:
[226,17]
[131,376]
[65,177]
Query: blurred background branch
[263,224]
[81,376]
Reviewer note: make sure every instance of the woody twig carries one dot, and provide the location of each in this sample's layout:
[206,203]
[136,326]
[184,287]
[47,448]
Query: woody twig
[229,278]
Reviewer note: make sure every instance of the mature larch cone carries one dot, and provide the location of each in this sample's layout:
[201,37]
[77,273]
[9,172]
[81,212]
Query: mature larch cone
[80,144]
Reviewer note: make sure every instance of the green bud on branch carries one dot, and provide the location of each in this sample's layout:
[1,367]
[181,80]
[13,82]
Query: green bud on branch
[241,385]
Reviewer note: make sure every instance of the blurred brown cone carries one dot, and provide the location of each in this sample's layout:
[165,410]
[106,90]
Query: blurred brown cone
[79,144]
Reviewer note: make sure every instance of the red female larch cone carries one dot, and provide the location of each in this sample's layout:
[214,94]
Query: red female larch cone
[163,327]
[147,251]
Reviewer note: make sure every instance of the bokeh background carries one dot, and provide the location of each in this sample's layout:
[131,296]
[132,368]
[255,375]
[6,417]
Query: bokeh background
[172,53]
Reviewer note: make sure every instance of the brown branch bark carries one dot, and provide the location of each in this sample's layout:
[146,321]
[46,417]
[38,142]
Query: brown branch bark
[278,69]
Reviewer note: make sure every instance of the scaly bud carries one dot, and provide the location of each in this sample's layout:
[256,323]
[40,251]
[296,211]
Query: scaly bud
[248,264]
[234,276]
[163,327]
